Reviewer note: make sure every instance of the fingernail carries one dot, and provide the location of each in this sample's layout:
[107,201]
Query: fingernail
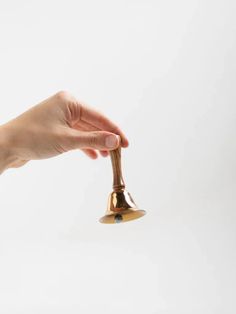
[111,141]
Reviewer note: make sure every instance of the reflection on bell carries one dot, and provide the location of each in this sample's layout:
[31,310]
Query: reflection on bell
[121,207]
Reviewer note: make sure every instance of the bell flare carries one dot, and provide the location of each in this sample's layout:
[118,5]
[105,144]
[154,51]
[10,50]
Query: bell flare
[122,216]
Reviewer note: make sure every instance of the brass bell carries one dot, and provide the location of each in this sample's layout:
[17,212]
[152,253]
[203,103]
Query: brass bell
[121,207]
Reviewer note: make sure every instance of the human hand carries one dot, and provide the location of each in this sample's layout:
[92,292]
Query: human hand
[57,125]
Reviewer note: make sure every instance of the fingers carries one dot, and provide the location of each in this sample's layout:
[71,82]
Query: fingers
[79,112]
[90,153]
[83,126]
[98,120]
[104,153]
[100,140]
[93,154]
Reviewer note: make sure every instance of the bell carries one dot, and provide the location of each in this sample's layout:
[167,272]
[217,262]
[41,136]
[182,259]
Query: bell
[121,207]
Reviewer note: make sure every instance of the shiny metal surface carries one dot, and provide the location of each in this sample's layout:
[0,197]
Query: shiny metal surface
[121,206]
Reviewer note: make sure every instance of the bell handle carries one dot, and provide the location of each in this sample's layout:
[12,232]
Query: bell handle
[118,181]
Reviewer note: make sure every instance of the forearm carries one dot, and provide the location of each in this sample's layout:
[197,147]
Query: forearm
[7,157]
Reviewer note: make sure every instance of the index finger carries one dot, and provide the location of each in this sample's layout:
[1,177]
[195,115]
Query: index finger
[97,119]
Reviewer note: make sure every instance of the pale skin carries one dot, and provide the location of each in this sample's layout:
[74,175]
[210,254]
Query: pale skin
[58,124]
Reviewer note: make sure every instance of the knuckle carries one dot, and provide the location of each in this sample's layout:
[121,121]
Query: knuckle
[93,140]
[97,140]
[63,95]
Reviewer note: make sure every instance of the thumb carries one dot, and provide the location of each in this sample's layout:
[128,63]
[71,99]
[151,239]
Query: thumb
[99,140]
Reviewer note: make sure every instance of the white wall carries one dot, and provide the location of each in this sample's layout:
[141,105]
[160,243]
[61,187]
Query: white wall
[166,72]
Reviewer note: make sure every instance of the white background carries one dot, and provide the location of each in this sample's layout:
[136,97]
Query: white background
[165,71]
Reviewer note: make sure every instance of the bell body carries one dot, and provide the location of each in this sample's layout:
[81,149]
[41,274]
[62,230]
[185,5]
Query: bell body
[121,208]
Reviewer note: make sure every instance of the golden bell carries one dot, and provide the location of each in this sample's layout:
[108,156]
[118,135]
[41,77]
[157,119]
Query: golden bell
[121,207]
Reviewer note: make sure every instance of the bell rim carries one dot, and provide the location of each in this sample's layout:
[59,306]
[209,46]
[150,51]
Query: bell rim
[127,215]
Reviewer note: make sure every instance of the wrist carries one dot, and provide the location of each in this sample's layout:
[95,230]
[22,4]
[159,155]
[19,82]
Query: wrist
[7,157]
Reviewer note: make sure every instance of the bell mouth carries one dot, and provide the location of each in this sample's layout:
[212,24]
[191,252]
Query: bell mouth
[122,216]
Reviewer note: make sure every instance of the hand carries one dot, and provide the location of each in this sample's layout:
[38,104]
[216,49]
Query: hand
[55,126]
